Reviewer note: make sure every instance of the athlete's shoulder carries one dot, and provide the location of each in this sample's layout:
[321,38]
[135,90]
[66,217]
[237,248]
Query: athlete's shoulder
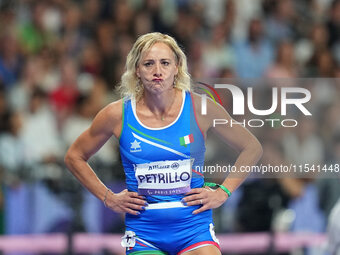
[110,117]
[196,100]
[114,110]
[195,95]
[199,102]
[206,110]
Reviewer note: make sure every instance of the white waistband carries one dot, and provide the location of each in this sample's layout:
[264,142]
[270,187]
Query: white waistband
[165,205]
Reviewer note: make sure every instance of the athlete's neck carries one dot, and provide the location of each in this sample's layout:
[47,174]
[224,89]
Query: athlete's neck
[160,104]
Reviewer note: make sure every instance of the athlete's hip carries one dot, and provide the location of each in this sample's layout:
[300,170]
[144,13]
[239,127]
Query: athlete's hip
[169,214]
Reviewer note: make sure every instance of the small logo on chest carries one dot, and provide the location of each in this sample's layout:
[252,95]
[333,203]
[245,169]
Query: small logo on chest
[135,146]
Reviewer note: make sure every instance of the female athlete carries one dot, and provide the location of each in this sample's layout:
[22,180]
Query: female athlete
[162,143]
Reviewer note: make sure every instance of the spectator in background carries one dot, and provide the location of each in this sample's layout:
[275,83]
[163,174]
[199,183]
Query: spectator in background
[217,53]
[330,120]
[44,153]
[262,198]
[306,47]
[15,166]
[325,64]
[64,96]
[333,24]
[141,23]
[30,78]
[304,201]
[91,13]
[302,145]
[284,66]
[33,35]
[71,33]
[9,59]
[320,37]
[123,16]
[4,108]
[40,131]
[322,64]
[334,230]
[330,185]
[188,34]
[254,55]
[156,10]
[124,43]
[90,59]
[13,155]
[279,25]
[245,12]
[107,45]
[79,120]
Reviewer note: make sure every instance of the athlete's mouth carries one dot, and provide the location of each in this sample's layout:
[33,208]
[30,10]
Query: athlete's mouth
[157,80]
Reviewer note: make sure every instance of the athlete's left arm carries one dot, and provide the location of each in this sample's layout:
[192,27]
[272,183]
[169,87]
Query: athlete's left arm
[238,137]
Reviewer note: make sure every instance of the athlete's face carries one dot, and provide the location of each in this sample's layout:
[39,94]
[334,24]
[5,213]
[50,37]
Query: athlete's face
[157,68]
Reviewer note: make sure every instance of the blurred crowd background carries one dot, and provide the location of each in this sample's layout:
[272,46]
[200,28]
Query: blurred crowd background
[60,61]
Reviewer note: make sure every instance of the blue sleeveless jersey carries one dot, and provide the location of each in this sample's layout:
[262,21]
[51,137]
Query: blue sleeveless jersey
[154,156]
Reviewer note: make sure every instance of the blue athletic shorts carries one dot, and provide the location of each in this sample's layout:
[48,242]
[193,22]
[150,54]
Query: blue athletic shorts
[168,230]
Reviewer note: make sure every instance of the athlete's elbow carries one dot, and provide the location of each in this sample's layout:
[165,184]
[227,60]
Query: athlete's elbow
[68,158]
[257,149]
[73,157]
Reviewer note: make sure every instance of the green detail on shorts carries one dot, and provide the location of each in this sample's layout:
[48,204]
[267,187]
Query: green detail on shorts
[148,136]
[209,93]
[121,131]
[148,253]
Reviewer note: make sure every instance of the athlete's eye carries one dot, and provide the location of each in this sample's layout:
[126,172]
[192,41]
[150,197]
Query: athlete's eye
[148,64]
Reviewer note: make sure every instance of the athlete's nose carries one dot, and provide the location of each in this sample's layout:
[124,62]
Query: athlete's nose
[157,71]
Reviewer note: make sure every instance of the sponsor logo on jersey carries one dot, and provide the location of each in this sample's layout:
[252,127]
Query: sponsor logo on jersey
[175,166]
[135,146]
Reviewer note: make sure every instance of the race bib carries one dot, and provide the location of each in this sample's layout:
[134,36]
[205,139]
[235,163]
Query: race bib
[169,177]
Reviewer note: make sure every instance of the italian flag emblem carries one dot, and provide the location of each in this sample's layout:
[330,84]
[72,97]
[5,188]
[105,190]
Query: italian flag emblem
[184,140]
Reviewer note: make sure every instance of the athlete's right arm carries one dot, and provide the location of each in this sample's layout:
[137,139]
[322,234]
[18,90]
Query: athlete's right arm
[108,122]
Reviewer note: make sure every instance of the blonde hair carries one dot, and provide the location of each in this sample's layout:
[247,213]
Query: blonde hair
[130,86]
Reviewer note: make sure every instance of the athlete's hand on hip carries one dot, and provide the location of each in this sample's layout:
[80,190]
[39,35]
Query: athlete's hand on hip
[126,202]
[206,197]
